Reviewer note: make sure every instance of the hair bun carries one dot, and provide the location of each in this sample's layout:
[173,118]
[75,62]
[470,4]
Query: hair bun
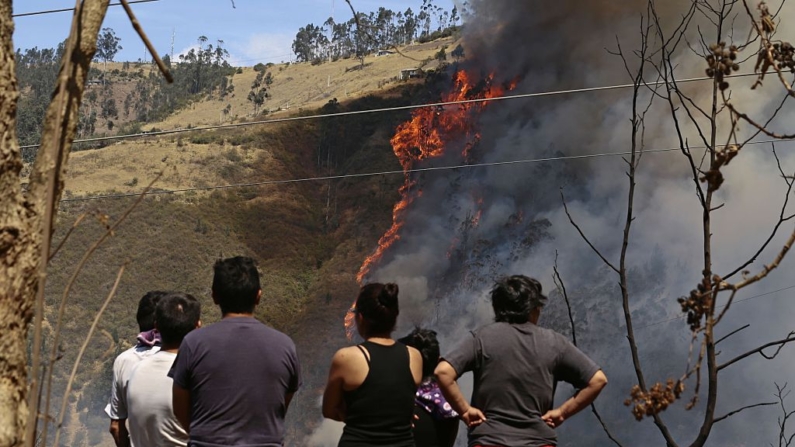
[389,296]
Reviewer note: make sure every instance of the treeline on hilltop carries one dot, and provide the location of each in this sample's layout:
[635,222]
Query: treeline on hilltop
[122,100]
[200,72]
[145,96]
[377,30]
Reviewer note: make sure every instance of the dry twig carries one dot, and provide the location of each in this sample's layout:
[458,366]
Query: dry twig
[732,413]
[761,351]
[558,280]
[110,230]
[137,26]
[82,351]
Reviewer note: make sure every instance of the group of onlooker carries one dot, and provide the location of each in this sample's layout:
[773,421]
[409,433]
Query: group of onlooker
[230,383]
[227,384]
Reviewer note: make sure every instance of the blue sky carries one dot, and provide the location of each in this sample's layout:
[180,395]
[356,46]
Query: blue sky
[254,31]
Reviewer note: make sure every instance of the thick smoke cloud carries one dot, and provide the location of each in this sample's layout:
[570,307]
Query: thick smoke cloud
[445,262]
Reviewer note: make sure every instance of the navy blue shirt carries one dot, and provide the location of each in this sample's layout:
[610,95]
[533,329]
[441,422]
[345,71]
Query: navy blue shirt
[237,372]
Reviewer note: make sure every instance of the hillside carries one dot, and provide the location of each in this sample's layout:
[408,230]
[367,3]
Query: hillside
[126,165]
[309,238]
[305,86]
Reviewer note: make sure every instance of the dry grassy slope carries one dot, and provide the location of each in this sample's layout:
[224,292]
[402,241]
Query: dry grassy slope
[128,165]
[306,86]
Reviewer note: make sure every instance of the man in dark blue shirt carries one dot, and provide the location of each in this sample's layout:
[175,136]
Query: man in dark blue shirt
[233,380]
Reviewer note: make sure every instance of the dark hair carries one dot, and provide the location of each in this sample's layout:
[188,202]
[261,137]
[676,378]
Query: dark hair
[514,297]
[177,314]
[146,310]
[424,340]
[236,284]
[378,305]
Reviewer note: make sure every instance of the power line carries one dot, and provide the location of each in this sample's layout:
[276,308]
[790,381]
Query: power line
[384,109]
[52,11]
[393,172]
[720,307]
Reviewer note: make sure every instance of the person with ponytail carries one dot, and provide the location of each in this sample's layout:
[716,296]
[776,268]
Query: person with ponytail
[371,386]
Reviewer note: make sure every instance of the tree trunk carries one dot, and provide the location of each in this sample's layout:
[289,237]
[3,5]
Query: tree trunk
[23,218]
[18,248]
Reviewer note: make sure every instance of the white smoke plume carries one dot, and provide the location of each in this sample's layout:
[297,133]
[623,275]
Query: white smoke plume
[521,223]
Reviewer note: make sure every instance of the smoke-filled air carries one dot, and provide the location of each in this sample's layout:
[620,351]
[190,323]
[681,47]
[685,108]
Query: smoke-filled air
[455,231]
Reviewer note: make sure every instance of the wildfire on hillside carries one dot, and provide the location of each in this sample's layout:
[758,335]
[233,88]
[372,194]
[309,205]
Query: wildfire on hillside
[426,136]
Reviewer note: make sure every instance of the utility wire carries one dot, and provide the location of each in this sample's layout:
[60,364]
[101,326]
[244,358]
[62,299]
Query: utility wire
[52,11]
[385,109]
[681,317]
[392,172]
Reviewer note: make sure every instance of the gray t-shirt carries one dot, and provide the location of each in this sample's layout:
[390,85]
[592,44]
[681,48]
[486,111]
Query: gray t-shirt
[517,367]
[238,372]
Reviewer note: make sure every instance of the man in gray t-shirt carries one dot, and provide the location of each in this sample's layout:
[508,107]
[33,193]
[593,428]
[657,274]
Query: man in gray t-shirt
[233,380]
[517,366]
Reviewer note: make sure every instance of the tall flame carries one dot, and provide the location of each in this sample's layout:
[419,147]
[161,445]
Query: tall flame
[425,136]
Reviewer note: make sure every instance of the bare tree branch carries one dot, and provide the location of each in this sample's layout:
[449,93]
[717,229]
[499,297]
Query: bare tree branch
[781,219]
[766,59]
[137,26]
[760,351]
[766,269]
[558,280]
[732,413]
[82,351]
[68,233]
[585,238]
[783,439]
[46,180]
[67,290]
[759,127]
[732,333]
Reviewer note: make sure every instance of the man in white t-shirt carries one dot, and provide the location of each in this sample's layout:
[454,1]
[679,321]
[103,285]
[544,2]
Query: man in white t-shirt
[150,413]
[148,343]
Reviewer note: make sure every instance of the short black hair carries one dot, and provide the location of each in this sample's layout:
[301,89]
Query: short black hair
[146,310]
[177,314]
[236,284]
[514,297]
[424,340]
[378,305]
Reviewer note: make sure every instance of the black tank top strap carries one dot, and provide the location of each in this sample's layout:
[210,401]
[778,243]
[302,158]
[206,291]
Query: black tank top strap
[381,409]
[365,353]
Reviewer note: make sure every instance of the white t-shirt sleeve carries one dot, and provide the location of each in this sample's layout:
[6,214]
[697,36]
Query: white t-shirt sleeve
[117,407]
[122,366]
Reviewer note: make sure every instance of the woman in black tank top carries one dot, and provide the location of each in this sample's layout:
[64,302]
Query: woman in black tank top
[371,386]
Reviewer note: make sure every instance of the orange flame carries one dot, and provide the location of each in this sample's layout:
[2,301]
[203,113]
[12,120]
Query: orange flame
[476,218]
[425,136]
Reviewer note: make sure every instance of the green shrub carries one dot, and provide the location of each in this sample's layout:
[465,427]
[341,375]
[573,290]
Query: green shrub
[201,139]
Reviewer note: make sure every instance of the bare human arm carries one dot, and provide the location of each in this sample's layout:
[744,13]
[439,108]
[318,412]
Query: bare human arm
[180,401]
[446,376]
[333,401]
[415,363]
[554,418]
[287,399]
[118,429]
